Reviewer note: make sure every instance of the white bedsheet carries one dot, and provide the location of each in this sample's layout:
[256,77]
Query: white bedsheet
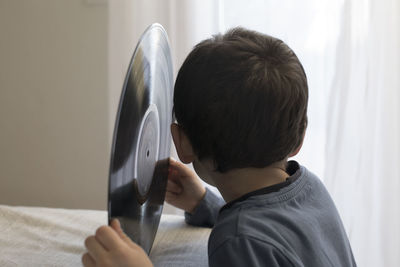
[31,236]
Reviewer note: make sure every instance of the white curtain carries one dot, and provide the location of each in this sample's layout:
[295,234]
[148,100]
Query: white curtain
[350,50]
[362,149]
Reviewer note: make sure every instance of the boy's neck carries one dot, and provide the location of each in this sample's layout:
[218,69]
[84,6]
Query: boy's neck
[238,182]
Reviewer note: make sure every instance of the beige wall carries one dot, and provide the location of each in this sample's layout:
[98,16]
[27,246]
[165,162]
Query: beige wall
[62,66]
[54,114]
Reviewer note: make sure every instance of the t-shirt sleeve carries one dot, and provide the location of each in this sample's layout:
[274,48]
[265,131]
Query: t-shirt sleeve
[206,212]
[246,251]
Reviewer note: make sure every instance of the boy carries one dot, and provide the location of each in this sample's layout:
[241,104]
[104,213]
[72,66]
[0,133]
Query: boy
[240,103]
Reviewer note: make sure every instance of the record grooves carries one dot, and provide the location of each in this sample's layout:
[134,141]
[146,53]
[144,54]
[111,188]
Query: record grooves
[142,141]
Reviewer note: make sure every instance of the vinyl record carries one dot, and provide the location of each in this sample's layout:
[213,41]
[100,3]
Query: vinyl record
[142,141]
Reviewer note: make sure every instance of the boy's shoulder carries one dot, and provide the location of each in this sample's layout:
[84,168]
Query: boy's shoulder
[260,214]
[291,224]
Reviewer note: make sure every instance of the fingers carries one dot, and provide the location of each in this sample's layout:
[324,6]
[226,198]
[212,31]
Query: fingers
[178,170]
[88,261]
[173,187]
[116,225]
[94,247]
[108,237]
[171,198]
[178,166]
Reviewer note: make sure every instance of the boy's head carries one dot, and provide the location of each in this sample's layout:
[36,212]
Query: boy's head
[241,100]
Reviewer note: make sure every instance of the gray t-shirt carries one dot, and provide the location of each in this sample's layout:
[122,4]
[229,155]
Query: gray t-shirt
[294,223]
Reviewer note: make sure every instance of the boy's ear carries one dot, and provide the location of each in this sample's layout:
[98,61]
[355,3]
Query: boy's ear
[297,150]
[182,144]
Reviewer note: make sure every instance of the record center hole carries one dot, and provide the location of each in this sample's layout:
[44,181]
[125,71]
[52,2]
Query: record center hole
[148,153]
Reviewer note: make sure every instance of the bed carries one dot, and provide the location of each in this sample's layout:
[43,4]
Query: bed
[34,236]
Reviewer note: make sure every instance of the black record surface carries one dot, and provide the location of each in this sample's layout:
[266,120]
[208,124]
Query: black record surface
[142,141]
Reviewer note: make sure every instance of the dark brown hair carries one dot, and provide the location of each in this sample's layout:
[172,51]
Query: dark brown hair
[241,98]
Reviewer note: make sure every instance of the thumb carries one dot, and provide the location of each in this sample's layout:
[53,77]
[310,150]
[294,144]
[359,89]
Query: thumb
[116,225]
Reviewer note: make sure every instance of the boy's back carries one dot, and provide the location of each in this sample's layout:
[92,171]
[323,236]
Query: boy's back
[291,224]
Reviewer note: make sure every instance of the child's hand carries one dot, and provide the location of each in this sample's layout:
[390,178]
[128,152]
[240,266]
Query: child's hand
[111,247]
[184,189]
